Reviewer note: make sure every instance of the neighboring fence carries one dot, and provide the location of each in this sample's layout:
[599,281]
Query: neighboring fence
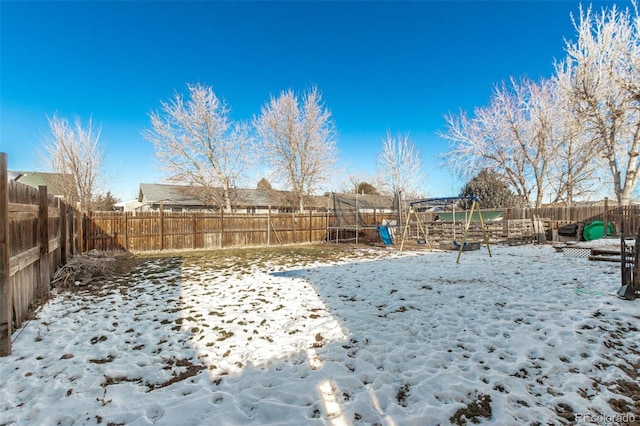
[625,218]
[36,237]
[513,231]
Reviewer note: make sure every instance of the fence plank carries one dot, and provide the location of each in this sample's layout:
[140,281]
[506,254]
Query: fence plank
[22,260]
[63,231]
[43,227]
[5,286]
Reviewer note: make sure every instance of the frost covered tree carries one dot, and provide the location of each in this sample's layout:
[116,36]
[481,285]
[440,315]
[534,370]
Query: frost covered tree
[74,149]
[576,164]
[197,143]
[514,135]
[297,137]
[400,164]
[600,78]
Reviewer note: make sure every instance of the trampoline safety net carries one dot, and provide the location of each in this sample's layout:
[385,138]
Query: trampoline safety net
[358,212]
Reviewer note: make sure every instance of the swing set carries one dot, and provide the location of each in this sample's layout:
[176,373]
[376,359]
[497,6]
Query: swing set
[422,234]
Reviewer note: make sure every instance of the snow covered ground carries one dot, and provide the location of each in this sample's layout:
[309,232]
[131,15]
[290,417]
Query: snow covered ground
[528,336]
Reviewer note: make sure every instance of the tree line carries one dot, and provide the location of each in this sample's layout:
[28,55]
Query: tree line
[196,143]
[564,136]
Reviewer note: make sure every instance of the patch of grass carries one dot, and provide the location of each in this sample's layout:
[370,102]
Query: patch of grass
[473,411]
[403,394]
[98,339]
[106,360]
[190,370]
[224,335]
[319,341]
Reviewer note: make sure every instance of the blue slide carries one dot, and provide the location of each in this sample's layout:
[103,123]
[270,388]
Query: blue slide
[384,235]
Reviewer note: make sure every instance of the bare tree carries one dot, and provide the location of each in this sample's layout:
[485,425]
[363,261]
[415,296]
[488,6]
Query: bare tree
[298,137]
[196,143]
[600,78]
[400,164]
[74,150]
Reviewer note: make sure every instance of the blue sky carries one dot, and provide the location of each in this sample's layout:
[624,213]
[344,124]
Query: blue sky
[398,66]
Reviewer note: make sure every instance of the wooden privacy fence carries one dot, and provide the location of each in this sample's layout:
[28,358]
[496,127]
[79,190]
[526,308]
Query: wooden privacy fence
[36,237]
[151,231]
[166,230]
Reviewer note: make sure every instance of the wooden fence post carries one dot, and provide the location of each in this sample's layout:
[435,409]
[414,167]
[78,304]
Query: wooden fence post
[161,226]
[89,232]
[80,228]
[269,226]
[63,231]
[126,231]
[310,226]
[43,227]
[6,297]
[293,227]
[73,226]
[70,221]
[221,228]
[193,230]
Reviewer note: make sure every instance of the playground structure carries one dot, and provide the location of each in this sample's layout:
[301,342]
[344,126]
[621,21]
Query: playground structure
[357,217]
[428,204]
[380,219]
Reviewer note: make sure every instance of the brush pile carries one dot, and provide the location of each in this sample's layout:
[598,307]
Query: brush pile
[84,269]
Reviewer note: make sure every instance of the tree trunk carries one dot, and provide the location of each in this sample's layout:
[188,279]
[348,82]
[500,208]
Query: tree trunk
[226,195]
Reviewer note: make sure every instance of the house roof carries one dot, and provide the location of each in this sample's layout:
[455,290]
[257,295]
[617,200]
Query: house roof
[56,183]
[170,194]
[153,193]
